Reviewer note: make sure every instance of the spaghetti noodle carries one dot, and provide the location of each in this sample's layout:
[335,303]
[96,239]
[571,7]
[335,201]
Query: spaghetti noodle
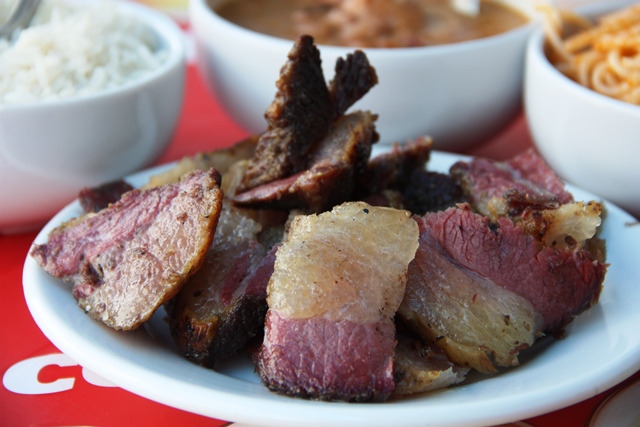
[604,56]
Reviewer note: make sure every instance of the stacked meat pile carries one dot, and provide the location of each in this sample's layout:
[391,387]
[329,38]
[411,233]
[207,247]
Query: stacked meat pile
[346,277]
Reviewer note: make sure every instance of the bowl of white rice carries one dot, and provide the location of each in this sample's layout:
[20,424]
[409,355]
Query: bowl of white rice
[91,91]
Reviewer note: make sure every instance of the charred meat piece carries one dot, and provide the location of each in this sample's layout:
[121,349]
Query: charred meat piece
[431,192]
[508,287]
[128,259]
[398,178]
[335,164]
[329,332]
[94,199]
[420,367]
[354,77]
[393,170]
[303,113]
[222,307]
[299,117]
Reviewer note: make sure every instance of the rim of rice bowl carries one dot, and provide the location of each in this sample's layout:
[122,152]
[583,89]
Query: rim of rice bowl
[165,35]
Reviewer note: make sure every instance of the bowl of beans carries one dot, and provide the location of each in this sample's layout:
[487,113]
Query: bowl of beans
[442,73]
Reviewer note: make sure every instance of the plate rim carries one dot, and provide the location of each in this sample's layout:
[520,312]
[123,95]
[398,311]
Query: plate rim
[251,409]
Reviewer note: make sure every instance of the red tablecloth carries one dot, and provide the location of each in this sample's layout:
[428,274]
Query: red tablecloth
[43,391]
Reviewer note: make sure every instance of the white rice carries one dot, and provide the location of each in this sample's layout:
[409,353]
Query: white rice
[74,48]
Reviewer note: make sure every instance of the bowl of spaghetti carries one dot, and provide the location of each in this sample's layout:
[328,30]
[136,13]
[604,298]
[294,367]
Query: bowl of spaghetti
[582,98]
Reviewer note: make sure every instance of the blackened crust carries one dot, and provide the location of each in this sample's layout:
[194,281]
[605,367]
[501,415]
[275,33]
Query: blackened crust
[298,117]
[353,79]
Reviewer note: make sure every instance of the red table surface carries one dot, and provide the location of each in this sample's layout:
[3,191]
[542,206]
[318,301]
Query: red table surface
[54,395]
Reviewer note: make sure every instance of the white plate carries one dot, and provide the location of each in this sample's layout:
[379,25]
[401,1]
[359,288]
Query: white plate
[601,349]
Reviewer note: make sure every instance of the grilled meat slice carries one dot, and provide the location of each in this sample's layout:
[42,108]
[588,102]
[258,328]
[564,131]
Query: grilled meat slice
[485,180]
[303,113]
[222,307]
[128,259]
[393,170]
[329,332]
[525,190]
[507,286]
[298,117]
[321,359]
[335,164]
[559,283]
[354,77]
[431,192]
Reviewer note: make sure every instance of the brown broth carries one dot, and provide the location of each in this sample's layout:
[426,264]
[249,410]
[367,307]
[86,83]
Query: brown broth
[430,22]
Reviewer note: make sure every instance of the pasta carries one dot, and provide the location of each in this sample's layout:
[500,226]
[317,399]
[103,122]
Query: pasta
[604,56]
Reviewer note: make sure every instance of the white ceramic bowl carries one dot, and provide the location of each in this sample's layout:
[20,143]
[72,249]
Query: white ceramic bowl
[589,139]
[460,94]
[49,150]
